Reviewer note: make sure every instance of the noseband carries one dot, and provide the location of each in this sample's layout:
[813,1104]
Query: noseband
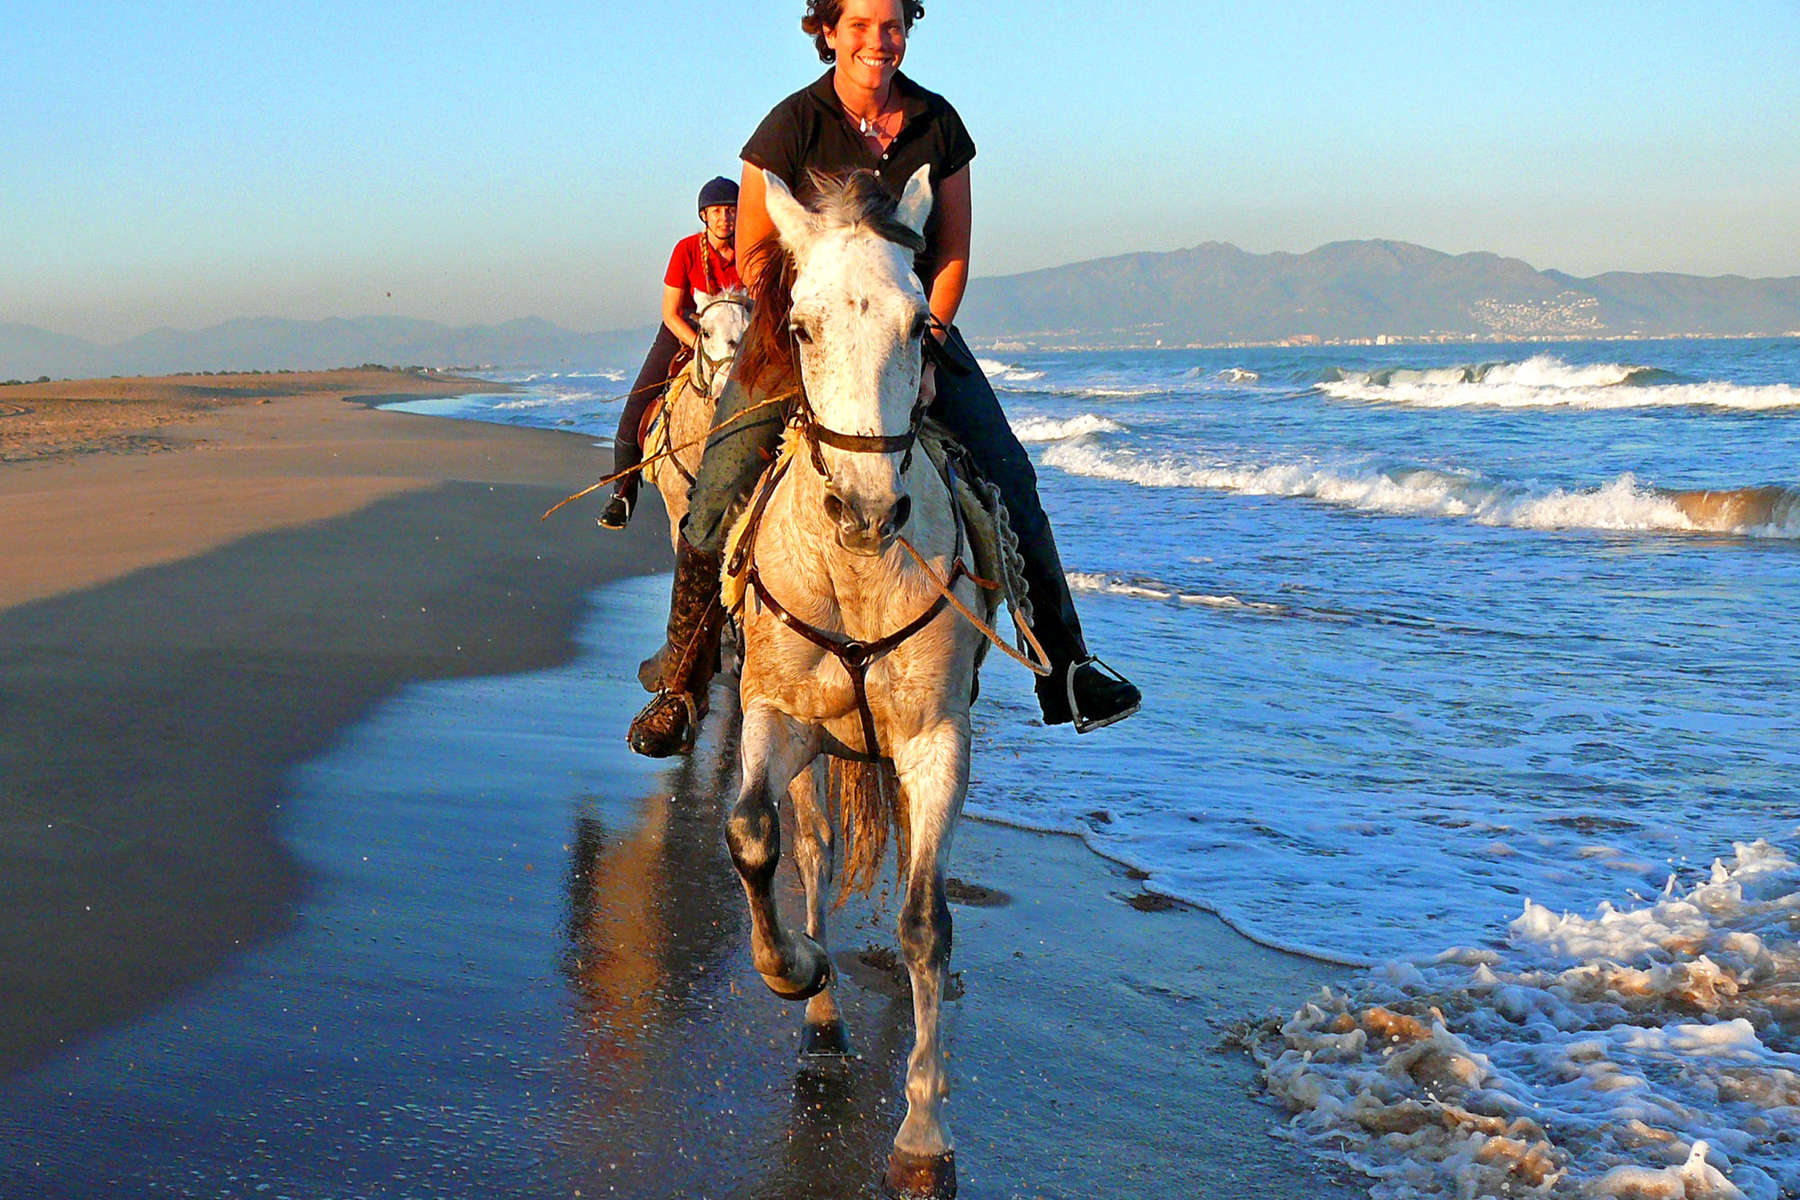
[806,422]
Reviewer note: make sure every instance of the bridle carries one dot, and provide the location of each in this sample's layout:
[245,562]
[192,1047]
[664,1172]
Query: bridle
[705,366]
[805,421]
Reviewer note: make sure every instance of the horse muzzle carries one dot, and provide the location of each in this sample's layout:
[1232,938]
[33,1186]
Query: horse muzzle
[867,529]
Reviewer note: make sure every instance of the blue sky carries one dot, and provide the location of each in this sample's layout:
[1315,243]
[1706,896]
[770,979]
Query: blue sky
[182,163]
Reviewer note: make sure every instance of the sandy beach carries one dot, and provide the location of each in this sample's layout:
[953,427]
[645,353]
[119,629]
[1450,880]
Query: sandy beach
[314,740]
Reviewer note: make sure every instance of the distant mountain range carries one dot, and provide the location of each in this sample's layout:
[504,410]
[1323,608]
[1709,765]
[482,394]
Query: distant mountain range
[1209,294]
[273,343]
[1215,293]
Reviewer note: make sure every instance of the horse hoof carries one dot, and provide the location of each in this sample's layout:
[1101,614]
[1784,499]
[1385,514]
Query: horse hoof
[921,1176]
[820,980]
[829,1039]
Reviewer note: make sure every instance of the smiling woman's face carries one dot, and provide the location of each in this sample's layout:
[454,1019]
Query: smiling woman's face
[870,41]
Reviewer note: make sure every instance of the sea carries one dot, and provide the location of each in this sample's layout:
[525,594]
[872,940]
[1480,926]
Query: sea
[1470,666]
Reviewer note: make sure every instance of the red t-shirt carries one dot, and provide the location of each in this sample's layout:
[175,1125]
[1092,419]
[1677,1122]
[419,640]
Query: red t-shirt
[688,270]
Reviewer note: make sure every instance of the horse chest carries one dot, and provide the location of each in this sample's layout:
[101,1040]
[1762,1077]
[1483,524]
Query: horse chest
[809,682]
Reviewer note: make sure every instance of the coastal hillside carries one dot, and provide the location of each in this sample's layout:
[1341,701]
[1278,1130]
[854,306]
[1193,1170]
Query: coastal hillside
[1216,293]
[1209,294]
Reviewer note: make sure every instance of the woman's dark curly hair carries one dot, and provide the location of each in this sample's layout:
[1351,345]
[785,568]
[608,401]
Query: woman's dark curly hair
[825,14]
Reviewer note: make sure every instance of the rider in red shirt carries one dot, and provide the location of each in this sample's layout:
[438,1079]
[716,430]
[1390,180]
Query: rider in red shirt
[704,262]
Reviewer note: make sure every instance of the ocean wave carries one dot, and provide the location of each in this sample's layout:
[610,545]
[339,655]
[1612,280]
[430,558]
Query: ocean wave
[1647,1051]
[1544,381]
[1051,429]
[1004,372]
[558,397]
[1154,589]
[1622,505]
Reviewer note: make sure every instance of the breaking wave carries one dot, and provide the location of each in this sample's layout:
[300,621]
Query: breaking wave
[1621,505]
[1050,429]
[1002,372]
[1154,589]
[1547,382]
[1643,1052]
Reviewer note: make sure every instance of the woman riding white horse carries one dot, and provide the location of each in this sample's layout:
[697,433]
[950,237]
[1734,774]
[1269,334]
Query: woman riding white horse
[703,263]
[864,114]
[719,324]
[851,647]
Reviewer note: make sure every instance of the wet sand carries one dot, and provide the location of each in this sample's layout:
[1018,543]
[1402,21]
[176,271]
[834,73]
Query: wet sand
[179,625]
[325,871]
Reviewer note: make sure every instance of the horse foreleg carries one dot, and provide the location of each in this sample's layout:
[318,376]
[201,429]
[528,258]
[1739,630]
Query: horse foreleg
[934,774]
[775,748]
[824,1033]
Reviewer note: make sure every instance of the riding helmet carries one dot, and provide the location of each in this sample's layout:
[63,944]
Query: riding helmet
[718,190]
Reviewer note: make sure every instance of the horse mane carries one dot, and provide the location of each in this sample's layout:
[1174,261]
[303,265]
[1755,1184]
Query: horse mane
[851,200]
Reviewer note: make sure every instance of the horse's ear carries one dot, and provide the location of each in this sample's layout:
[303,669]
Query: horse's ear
[915,201]
[792,222]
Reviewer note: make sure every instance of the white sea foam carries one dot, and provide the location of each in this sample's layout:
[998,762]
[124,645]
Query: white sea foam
[1620,505]
[1547,382]
[1050,429]
[1154,589]
[1640,1052]
[1239,375]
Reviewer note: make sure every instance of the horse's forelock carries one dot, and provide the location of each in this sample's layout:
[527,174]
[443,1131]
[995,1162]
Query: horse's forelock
[856,199]
[859,199]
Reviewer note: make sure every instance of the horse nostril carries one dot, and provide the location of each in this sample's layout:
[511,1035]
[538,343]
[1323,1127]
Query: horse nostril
[902,511]
[834,508]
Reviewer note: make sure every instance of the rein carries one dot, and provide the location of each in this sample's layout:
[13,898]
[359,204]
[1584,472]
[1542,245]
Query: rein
[671,452]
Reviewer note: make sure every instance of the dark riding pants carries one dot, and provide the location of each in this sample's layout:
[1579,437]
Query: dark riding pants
[966,405]
[652,378]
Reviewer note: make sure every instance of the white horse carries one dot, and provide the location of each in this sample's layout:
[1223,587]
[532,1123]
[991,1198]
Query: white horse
[687,409]
[848,641]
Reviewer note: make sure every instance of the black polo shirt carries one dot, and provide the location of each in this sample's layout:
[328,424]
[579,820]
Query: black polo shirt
[810,131]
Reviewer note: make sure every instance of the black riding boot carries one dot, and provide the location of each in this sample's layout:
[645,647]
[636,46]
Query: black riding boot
[670,722]
[625,492]
[1078,689]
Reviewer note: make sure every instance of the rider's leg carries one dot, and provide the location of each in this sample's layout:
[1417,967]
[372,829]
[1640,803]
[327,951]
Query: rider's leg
[743,444]
[967,405]
[653,376]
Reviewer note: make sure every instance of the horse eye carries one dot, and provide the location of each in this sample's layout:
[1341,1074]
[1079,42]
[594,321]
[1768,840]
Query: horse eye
[800,332]
[920,324]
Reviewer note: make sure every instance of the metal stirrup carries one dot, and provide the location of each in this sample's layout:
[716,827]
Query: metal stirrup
[1084,724]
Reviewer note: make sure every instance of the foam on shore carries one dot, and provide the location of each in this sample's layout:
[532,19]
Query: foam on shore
[1648,1051]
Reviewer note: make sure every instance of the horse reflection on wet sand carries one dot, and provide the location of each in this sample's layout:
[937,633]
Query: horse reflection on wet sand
[663,1016]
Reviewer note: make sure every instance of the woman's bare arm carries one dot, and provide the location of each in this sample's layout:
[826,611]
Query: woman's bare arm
[753,223]
[953,205]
